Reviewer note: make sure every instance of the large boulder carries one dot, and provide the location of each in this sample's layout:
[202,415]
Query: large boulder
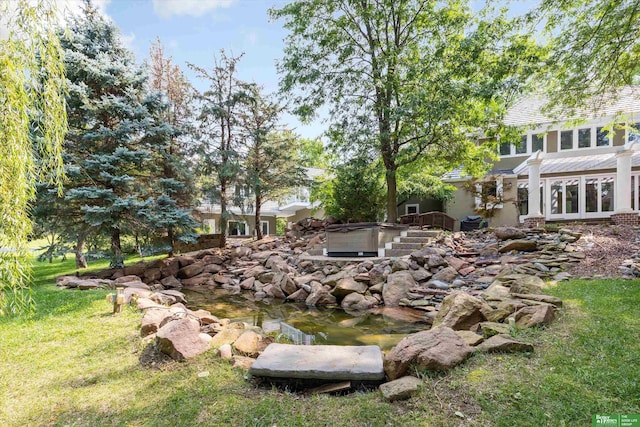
[436,349]
[447,274]
[152,319]
[421,256]
[181,339]
[397,287]
[358,302]
[319,295]
[535,315]
[460,310]
[509,233]
[191,270]
[347,286]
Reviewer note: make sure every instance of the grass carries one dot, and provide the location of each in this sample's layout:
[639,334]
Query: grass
[73,363]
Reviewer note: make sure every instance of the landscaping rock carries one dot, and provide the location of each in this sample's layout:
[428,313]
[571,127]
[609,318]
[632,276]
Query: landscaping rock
[439,348]
[537,315]
[251,344]
[171,282]
[461,311]
[397,287]
[191,270]
[504,343]
[519,245]
[358,302]
[181,339]
[400,389]
[471,338]
[347,286]
[490,329]
[228,334]
[447,274]
[225,352]
[509,233]
[151,320]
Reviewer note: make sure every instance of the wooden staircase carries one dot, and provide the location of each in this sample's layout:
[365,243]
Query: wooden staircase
[410,241]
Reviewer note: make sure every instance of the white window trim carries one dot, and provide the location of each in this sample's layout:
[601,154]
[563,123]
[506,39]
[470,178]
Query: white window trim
[512,147]
[543,200]
[499,192]
[264,222]
[412,205]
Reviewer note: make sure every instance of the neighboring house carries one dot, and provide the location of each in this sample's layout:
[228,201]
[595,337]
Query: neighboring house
[292,208]
[582,171]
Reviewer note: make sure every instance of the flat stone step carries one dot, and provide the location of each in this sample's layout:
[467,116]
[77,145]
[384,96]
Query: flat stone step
[398,252]
[421,233]
[320,362]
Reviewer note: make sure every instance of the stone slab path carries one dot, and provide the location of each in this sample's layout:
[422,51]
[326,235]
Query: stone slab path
[320,362]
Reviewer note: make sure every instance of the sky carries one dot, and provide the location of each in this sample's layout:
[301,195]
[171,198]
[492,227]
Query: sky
[195,30]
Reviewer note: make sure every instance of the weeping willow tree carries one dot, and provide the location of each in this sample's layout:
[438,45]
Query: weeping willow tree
[32,130]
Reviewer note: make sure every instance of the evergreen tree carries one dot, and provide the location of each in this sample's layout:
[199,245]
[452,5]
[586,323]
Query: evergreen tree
[220,132]
[271,163]
[115,132]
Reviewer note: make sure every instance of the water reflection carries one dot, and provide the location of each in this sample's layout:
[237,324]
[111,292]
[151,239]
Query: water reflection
[310,325]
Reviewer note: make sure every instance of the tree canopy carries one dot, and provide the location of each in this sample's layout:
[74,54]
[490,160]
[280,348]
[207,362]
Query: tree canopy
[405,79]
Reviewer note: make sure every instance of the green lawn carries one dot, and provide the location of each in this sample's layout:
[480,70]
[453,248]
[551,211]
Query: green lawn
[73,363]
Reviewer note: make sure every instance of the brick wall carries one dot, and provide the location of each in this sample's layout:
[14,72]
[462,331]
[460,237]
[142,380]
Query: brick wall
[534,222]
[627,218]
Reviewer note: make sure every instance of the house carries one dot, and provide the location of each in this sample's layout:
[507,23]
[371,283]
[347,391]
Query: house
[584,168]
[292,208]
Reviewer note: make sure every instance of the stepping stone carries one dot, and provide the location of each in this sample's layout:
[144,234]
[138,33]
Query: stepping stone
[320,362]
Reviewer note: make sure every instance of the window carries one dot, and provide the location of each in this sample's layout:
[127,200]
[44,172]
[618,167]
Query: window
[565,196]
[602,138]
[634,133]
[537,143]
[522,148]
[523,197]
[505,149]
[237,228]
[599,194]
[571,196]
[489,194]
[412,209]
[265,227]
[584,138]
[566,140]
[209,226]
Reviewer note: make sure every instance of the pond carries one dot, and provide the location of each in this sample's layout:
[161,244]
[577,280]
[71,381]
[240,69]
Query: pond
[312,325]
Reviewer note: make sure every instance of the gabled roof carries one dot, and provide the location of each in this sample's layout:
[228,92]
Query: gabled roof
[527,111]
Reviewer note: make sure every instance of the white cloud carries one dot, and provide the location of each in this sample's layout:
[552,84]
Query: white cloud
[167,8]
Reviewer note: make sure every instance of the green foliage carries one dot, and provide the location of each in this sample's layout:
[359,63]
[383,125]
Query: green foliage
[119,152]
[32,82]
[407,79]
[312,153]
[353,193]
[595,49]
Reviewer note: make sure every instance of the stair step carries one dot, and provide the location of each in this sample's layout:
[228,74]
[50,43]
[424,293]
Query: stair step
[423,240]
[407,245]
[397,252]
[421,233]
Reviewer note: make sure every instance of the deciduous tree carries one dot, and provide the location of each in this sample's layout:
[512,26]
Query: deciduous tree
[405,78]
[32,82]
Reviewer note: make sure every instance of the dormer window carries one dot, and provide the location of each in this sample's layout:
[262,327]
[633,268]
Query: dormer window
[602,138]
[505,149]
[537,143]
[522,148]
[566,140]
[584,138]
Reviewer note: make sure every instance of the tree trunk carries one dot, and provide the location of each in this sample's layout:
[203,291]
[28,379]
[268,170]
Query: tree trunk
[116,249]
[172,242]
[224,220]
[258,217]
[81,261]
[392,206]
